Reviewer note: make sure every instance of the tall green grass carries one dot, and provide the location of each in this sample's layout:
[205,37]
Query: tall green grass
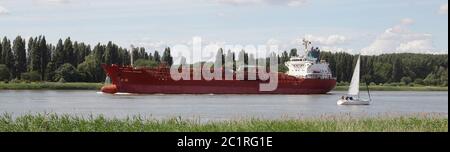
[68,123]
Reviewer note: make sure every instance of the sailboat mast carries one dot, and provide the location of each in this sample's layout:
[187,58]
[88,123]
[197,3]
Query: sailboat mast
[368,91]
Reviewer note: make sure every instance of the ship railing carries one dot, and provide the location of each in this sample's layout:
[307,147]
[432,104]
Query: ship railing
[318,76]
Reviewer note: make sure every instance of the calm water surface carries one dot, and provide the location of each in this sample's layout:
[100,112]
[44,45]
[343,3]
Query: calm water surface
[216,107]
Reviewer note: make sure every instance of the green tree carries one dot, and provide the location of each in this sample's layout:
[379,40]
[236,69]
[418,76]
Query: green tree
[145,63]
[143,54]
[167,57]
[1,52]
[111,54]
[68,52]
[67,72]
[45,56]
[157,57]
[35,56]
[8,57]
[29,51]
[284,57]
[397,71]
[59,56]
[293,53]
[20,56]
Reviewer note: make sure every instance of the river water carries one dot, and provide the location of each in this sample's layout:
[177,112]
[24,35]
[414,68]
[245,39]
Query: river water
[216,107]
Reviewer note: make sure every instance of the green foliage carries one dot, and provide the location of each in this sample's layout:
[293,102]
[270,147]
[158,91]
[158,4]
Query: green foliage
[283,68]
[167,57]
[406,80]
[20,56]
[67,72]
[4,72]
[68,51]
[7,56]
[39,55]
[293,53]
[145,63]
[390,68]
[419,81]
[32,76]
[157,57]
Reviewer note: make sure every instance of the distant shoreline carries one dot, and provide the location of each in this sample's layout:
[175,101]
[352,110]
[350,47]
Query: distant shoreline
[396,88]
[97,86]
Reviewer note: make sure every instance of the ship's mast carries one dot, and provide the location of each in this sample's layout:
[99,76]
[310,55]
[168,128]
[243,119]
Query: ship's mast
[131,54]
[306,43]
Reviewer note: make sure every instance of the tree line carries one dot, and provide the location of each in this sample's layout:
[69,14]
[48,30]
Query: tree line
[406,68]
[72,61]
[67,61]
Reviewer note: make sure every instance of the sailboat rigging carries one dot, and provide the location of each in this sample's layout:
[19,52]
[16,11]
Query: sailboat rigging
[354,89]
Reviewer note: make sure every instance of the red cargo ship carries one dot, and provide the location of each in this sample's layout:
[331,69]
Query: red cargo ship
[306,75]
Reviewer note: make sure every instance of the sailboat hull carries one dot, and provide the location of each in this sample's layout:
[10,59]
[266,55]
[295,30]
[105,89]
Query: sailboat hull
[354,102]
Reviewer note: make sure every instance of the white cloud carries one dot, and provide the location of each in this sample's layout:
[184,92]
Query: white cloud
[425,44]
[291,3]
[400,39]
[443,9]
[337,49]
[3,11]
[53,1]
[327,40]
[329,43]
[407,21]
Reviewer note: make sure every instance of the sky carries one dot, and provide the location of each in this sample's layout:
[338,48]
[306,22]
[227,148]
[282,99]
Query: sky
[354,26]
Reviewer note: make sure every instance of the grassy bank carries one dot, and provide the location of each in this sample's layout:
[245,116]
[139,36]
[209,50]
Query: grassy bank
[50,86]
[396,88]
[66,123]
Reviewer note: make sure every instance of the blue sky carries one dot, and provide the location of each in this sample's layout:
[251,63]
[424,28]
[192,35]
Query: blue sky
[355,26]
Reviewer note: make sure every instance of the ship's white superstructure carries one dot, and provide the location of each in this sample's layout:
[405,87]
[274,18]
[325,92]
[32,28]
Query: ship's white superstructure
[308,66]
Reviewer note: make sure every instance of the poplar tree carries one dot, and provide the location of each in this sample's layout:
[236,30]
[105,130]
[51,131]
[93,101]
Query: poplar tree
[20,56]
[8,57]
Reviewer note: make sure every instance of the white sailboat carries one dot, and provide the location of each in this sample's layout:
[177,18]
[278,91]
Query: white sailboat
[353,92]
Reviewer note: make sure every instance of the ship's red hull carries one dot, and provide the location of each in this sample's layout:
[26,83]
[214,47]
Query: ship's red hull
[148,81]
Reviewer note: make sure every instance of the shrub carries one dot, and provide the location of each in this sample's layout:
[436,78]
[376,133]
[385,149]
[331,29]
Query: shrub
[31,76]
[4,73]
[406,80]
[67,72]
[145,63]
[418,81]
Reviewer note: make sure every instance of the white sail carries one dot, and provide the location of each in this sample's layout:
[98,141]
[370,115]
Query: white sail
[354,85]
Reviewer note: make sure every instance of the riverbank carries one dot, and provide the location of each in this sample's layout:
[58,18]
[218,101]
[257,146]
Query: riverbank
[50,86]
[396,88]
[68,123]
[97,86]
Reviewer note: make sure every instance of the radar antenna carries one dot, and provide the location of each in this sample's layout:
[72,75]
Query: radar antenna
[306,43]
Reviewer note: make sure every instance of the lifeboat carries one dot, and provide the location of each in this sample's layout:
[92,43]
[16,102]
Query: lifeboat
[110,89]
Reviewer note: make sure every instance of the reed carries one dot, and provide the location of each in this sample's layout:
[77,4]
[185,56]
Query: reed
[70,123]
